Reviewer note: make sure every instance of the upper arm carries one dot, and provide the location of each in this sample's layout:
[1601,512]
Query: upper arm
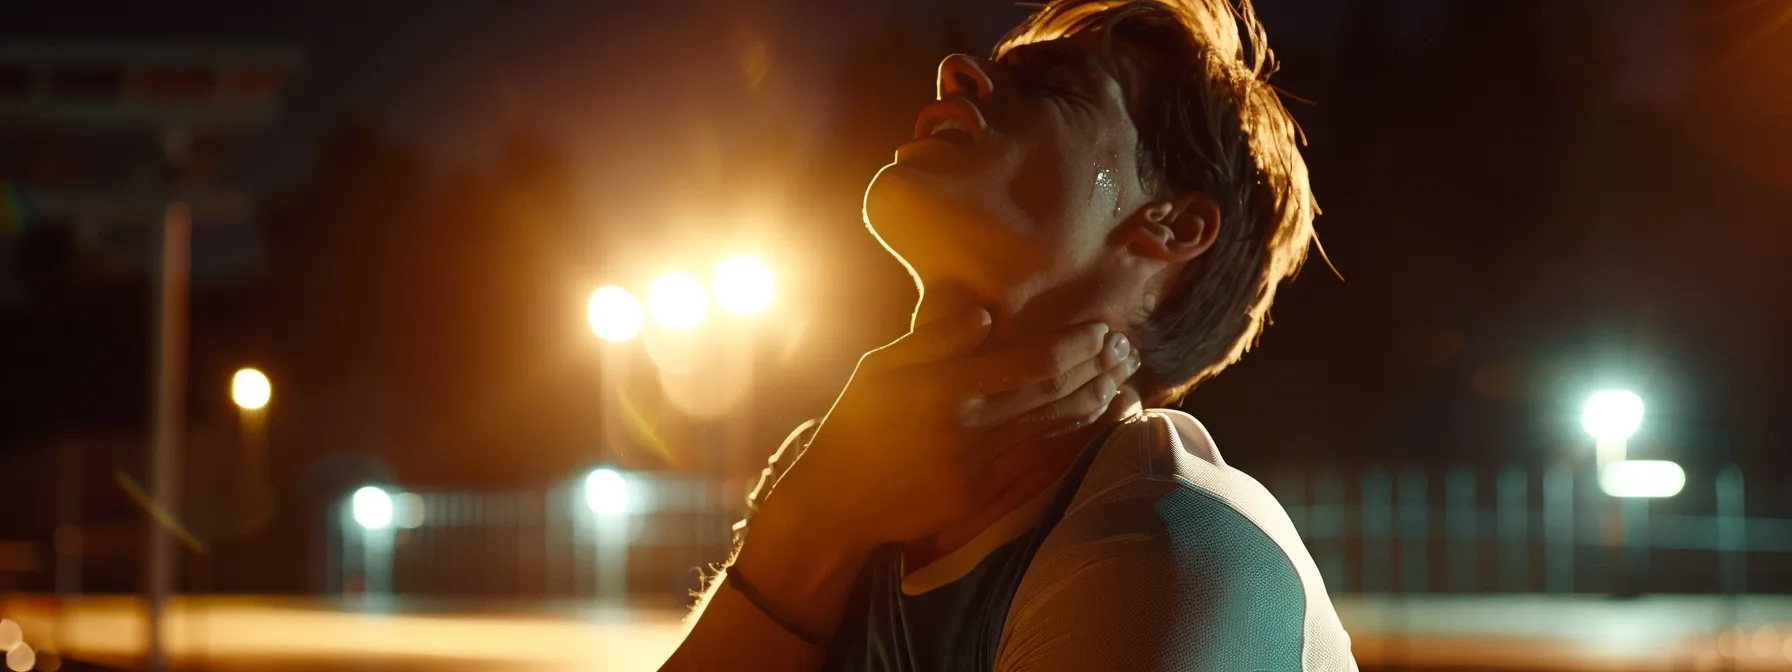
[1156,575]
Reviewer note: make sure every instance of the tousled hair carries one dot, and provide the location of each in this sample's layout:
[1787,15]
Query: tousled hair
[1208,121]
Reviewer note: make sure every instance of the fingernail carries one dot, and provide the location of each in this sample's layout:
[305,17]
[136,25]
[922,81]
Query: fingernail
[1122,347]
[1132,366]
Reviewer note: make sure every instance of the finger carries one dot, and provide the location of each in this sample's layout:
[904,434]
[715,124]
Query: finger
[1075,411]
[953,335]
[1015,367]
[1005,406]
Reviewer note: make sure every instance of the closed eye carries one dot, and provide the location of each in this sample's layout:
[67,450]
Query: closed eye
[1049,67]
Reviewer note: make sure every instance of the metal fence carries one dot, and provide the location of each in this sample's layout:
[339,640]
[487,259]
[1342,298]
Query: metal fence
[537,544]
[1522,530]
[1373,532]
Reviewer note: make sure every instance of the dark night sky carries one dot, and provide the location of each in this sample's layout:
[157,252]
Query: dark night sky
[1559,271]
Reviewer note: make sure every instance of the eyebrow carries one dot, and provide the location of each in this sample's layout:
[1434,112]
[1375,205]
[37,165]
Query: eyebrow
[1042,57]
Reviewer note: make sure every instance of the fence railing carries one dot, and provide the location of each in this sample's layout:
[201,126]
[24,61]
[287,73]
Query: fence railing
[1372,532]
[1521,530]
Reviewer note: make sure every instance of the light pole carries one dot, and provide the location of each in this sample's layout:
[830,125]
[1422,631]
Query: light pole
[610,498]
[744,286]
[718,359]
[616,317]
[371,510]
[1611,417]
[251,391]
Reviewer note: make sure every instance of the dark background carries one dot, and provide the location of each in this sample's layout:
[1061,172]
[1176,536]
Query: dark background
[1526,201]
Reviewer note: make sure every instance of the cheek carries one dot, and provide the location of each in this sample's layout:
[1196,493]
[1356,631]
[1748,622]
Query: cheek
[1053,183]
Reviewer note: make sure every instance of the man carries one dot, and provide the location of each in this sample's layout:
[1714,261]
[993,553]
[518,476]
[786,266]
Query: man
[1097,217]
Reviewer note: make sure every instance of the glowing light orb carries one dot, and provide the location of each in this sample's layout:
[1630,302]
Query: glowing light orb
[1642,478]
[614,313]
[21,658]
[676,301]
[1612,415]
[11,635]
[250,389]
[743,285]
[372,508]
[408,510]
[606,492]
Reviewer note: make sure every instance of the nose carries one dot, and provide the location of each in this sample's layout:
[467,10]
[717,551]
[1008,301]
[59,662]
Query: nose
[962,75]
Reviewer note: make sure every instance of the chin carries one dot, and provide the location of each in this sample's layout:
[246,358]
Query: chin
[901,210]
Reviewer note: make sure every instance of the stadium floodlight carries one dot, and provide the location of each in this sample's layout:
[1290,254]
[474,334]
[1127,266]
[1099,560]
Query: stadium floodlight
[250,389]
[606,492]
[614,314]
[1612,415]
[372,508]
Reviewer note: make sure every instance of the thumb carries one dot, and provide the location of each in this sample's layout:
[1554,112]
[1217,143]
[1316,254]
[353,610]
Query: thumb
[954,335]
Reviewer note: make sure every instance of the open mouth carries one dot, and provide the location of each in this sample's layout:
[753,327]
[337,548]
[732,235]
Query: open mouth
[953,119]
[950,131]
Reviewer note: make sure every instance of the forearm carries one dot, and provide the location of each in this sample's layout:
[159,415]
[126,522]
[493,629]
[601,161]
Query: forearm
[726,631]
[805,576]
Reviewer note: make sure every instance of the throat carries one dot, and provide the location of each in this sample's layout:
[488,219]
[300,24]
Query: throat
[1040,479]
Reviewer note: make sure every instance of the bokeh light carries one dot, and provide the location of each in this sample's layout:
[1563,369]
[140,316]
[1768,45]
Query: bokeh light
[250,389]
[408,510]
[372,508]
[1729,642]
[614,313]
[10,634]
[1612,415]
[1766,642]
[21,658]
[677,302]
[743,285]
[1642,478]
[606,492]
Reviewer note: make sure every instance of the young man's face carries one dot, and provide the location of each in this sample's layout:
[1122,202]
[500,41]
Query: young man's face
[1016,188]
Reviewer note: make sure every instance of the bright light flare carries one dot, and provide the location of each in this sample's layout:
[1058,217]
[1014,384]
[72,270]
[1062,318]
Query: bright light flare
[676,301]
[1642,478]
[21,658]
[372,508]
[606,492]
[614,314]
[11,634]
[743,285]
[408,510]
[1612,415]
[250,389]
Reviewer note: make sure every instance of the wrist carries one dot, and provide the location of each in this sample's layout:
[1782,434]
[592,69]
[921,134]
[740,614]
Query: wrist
[802,570]
[800,539]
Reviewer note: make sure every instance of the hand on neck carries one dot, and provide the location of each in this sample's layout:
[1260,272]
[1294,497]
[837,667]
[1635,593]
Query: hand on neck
[1055,457]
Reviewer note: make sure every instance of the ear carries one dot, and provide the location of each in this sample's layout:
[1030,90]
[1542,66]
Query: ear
[1178,229]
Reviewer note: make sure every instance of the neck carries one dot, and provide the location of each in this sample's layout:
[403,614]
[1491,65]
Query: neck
[1055,457]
